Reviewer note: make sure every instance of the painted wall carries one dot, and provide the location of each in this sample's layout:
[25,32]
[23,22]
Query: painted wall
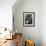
[6,13]
[33,33]
[43,22]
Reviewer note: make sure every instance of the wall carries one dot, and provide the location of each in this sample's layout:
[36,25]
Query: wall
[43,22]
[6,13]
[33,33]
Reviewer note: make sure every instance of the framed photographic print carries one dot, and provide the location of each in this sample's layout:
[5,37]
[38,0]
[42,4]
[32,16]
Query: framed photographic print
[28,19]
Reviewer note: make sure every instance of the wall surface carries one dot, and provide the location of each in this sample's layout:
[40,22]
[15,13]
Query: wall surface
[43,22]
[6,13]
[33,33]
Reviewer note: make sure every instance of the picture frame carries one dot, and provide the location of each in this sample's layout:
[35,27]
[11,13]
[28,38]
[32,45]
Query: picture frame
[13,22]
[28,19]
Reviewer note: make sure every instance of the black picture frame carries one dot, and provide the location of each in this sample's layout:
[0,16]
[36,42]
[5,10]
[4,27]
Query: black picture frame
[28,19]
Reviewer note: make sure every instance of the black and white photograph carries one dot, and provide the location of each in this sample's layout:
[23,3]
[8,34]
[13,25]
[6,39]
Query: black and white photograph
[28,19]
